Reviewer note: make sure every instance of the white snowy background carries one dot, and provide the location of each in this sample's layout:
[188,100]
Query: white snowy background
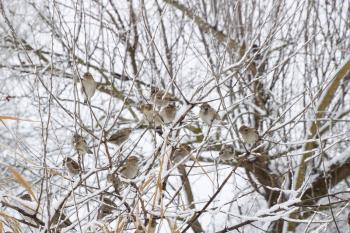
[202,49]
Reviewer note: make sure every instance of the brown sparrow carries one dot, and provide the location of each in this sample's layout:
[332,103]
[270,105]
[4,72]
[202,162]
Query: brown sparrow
[120,136]
[72,166]
[88,86]
[168,113]
[130,169]
[80,144]
[208,114]
[161,98]
[181,152]
[249,135]
[106,208]
[151,116]
[227,153]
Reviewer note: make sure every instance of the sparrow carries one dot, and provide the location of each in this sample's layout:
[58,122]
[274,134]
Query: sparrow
[161,98]
[208,114]
[26,197]
[150,115]
[80,144]
[88,87]
[249,135]
[120,136]
[72,166]
[130,169]
[168,113]
[181,152]
[227,153]
[106,208]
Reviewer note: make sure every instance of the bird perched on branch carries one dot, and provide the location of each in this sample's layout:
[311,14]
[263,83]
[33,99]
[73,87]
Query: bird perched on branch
[88,87]
[120,136]
[72,166]
[168,113]
[80,144]
[249,135]
[227,153]
[161,98]
[208,114]
[180,153]
[131,167]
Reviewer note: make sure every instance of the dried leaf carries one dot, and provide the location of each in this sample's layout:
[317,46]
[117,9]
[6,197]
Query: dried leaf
[15,118]
[10,221]
[8,118]
[120,226]
[146,183]
[18,177]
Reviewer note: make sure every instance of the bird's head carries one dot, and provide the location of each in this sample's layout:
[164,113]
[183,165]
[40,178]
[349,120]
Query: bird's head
[66,160]
[186,147]
[133,159]
[154,90]
[88,76]
[226,148]
[205,107]
[171,106]
[76,136]
[243,129]
[146,107]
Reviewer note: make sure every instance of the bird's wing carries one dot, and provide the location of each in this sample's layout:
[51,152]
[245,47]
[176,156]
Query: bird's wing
[115,136]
